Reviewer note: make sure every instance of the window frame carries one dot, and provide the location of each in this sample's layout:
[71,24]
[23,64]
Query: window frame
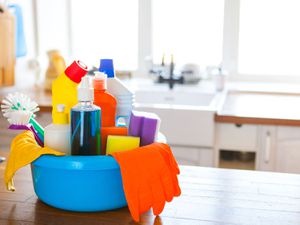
[230,48]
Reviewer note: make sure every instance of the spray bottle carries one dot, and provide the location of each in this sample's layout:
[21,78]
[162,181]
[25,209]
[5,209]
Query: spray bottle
[85,122]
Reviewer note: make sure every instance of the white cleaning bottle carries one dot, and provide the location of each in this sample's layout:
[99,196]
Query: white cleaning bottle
[124,96]
[57,136]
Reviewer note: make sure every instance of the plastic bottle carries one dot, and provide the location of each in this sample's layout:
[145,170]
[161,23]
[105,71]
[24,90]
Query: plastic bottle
[104,100]
[85,122]
[123,94]
[57,135]
[64,88]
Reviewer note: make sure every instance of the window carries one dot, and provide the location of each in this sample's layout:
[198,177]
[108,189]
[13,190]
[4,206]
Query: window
[249,37]
[105,29]
[192,30]
[269,37]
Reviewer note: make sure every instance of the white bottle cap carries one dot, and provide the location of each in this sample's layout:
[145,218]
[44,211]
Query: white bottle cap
[100,76]
[85,91]
[60,107]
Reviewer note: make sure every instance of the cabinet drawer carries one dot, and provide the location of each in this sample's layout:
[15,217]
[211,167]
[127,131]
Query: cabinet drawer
[237,137]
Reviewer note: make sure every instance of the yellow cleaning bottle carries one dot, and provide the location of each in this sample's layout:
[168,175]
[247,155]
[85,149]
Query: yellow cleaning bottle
[64,88]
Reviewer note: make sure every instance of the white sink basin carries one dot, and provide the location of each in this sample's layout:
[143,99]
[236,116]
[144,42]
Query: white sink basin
[187,118]
[174,98]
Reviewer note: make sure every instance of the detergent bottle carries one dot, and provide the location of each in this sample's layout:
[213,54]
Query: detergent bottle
[123,94]
[57,135]
[104,100]
[64,88]
[85,122]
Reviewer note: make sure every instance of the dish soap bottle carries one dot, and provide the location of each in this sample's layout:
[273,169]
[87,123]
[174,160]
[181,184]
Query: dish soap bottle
[104,100]
[85,122]
[57,135]
[123,94]
[64,88]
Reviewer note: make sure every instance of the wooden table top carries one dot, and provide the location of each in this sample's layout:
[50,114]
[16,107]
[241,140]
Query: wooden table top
[210,196]
[246,107]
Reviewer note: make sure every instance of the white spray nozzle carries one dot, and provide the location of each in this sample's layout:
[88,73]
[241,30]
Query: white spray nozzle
[100,76]
[85,82]
[85,91]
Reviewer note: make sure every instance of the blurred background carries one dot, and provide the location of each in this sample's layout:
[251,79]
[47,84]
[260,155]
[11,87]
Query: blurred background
[249,38]
[223,75]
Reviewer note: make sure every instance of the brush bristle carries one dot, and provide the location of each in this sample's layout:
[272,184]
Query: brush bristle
[19,117]
[18,102]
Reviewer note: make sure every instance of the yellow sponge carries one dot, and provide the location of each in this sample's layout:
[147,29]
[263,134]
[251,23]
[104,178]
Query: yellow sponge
[121,143]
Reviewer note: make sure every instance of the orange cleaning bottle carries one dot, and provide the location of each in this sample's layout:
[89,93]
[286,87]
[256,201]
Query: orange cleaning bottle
[104,100]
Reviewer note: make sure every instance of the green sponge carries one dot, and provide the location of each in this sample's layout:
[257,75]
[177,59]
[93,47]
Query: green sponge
[121,143]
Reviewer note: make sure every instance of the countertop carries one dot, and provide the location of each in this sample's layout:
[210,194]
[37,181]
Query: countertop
[257,107]
[210,196]
[243,102]
[39,95]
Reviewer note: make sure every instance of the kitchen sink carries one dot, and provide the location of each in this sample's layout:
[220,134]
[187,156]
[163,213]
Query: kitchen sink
[175,99]
[187,116]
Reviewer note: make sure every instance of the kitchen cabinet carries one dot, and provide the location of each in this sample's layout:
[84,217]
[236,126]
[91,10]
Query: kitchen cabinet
[266,154]
[288,150]
[277,148]
[235,137]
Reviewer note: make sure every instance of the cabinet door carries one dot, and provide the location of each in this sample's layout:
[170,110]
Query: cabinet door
[288,150]
[288,156]
[265,158]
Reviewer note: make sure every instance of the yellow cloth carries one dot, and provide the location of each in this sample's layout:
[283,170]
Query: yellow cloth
[23,151]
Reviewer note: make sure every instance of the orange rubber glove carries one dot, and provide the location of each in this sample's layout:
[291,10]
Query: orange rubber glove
[149,176]
[166,152]
[23,151]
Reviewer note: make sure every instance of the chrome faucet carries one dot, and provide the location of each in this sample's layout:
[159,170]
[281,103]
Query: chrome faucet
[172,79]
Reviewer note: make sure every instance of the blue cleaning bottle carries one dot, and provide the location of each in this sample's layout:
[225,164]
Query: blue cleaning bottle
[21,49]
[85,122]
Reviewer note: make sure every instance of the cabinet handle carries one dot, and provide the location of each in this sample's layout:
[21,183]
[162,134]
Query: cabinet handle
[268,147]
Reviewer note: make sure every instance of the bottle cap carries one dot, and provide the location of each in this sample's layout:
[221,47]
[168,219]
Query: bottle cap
[76,71]
[85,91]
[61,116]
[107,67]
[99,81]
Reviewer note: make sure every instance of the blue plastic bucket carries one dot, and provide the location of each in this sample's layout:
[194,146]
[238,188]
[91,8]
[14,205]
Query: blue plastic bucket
[79,183]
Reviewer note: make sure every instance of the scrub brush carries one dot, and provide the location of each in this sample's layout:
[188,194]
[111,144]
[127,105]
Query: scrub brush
[19,120]
[20,102]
